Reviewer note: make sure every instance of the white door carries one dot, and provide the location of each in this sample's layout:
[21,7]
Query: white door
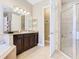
[52,27]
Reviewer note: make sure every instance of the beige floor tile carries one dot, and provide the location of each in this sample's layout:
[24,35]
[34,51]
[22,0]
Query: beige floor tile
[39,53]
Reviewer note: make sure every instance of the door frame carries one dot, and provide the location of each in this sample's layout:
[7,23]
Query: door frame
[44,21]
[74,30]
[55,5]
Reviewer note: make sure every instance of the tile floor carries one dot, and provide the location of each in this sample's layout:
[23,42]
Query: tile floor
[39,53]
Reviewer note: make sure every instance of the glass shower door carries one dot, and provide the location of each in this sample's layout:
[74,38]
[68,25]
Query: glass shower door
[66,32]
[77,40]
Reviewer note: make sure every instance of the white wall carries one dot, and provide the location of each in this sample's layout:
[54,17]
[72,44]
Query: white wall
[13,3]
[1,21]
[38,14]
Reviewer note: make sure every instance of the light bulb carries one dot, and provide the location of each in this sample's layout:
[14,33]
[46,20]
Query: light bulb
[24,12]
[28,13]
[17,8]
[21,10]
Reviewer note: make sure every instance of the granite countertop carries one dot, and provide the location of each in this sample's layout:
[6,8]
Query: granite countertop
[21,32]
[24,32]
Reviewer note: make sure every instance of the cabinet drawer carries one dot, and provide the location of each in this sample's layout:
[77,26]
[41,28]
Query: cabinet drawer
[26,44]
[20,36]
[26,35]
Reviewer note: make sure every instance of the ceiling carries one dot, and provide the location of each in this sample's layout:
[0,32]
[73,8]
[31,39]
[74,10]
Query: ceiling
[34,1]
[66,1]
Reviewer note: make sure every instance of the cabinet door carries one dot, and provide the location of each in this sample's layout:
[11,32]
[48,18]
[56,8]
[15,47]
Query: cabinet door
[18,41]
[26,43]
[32,40]
[19,45]
[36,38]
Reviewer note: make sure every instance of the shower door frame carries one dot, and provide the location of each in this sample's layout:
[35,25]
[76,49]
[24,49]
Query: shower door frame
[73,33]
[74,30]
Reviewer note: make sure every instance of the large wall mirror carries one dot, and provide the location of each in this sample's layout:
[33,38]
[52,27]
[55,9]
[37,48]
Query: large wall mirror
[16,21]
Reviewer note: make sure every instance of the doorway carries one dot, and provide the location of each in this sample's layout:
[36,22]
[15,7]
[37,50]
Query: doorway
[46,25]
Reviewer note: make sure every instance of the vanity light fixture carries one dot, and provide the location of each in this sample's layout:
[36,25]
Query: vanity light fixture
[24,12]
[21,11]
[16,9]
[28,13]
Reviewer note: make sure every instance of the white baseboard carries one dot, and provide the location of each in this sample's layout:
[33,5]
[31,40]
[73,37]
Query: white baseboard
[40,45]
[51,55]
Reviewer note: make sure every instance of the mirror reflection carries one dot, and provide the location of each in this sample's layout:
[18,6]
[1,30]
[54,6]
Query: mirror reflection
[16,21]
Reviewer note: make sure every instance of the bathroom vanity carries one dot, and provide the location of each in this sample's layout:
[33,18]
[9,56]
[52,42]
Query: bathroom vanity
[13,23]
[25,41]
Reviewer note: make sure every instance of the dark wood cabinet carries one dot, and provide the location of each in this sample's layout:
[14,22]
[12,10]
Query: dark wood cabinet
[32,40]
[36,38]
[19,43]
[24,42]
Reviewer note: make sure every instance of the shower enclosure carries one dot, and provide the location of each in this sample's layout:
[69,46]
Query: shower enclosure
[77,30]
[69,43]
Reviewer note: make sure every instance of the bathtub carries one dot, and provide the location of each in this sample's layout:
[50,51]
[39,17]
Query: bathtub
[4,48]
